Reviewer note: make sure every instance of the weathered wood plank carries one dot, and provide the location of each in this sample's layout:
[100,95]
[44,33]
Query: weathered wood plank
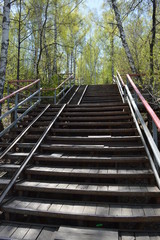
[82,236]
[142,236]
[20,232]
[47,233]
[128,236]
[8,231]
[32,233]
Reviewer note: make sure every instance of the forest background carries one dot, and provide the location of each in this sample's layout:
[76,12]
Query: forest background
[51,38]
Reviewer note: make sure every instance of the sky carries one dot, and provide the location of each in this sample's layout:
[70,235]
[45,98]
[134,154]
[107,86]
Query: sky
[94,4]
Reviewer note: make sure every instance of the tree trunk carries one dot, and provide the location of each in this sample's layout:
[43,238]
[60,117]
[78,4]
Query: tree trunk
[55,41]
[112,52]
[48,62]
[67,63]
[19,39]
[4,50]
[152,44]
[41,38]
[71,69]
[4,44]
[74,61]
[123,37]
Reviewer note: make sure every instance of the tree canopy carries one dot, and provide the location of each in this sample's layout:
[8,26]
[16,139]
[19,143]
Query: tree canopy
[49,38]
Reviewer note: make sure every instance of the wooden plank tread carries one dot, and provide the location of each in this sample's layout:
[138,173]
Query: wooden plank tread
[105,234]
[84,211]
[88,172]
[77,147]
[89,159]
[19,231]
[9,166]
[96,138]
[83,188]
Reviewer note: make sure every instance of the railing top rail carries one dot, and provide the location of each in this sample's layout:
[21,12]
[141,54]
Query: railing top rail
[53,89]
[19,90]
[120,78]
[145,103]
[30,155]
[63,82]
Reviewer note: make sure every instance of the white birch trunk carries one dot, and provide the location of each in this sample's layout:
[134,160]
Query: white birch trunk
[4,45]
[123,37]
[55,41]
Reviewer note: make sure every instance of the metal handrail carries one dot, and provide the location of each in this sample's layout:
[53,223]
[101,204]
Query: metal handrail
[58,93]
[30,155]
[152,151]
[145,103]
[17,104]
[19,90]
[12,144]
[120,78]
[61,84]
[135,113]
[84,91]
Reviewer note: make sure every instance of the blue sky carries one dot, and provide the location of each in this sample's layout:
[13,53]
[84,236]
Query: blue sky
[94,4]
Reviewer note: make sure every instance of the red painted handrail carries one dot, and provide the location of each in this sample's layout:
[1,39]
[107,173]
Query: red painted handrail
[53,89]
[145,103]
[19,90]
[64,82]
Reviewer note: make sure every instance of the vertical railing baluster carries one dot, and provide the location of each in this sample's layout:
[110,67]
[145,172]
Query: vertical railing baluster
[39,94]
[55,96]
[16,109]
[155,132]
[8,100]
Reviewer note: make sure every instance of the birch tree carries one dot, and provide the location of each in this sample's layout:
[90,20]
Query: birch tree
[152,43]
[4,44]
[123,36]
[55,39]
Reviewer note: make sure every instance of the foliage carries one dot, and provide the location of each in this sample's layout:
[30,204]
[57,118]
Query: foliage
[56,32]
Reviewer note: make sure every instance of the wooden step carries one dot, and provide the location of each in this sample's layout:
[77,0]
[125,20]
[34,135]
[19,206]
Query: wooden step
[59,158]
[94,140]
[19,145]
[104,99]
[9,167]
[97,109]
[3,182]
[39,123]
[102,119]
[90,139]
[23,231]
[90,125]
[88,173]
[91,159]
[90,190]
[67,210]
[96,114]
[92,106]
[82,131]
[86,234]
[92,148]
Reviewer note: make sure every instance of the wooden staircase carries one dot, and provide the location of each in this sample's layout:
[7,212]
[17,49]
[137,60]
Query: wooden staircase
[91,169]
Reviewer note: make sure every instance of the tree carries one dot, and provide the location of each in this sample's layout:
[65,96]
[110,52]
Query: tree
[4,44]
[123,36]
[152,43]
